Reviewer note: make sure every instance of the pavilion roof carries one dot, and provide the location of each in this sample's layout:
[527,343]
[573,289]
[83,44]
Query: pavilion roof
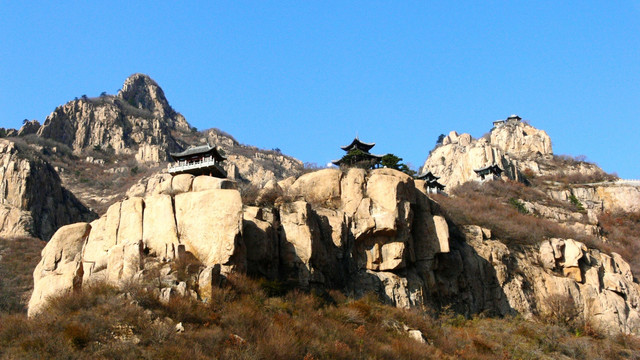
[199,150]
[427,176]
[487,169]
[358,144]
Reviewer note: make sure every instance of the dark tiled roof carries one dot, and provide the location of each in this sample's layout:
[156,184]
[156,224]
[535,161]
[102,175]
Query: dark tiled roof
[359,144]
[491,168]
[197,150]
[427,176]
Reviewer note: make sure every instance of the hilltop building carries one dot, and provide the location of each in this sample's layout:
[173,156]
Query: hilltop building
[510,120]
[358,155]
[433,186]
[198,160]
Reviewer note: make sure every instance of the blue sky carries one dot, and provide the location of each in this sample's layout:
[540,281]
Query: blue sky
[306,76]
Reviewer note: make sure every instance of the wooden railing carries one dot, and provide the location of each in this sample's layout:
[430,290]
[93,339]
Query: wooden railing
[182,166]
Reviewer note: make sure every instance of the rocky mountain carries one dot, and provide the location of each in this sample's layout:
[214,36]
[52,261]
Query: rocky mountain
[33,201]
[115,140]
[358,231]
[553,235]
[139,121]
[514,145]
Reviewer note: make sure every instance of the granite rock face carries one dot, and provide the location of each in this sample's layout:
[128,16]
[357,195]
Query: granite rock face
[60,269]
[137,121]
[358,231]
[32,198]
[520,140]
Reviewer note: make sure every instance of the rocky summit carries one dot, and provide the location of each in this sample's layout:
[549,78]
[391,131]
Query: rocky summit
[517,232]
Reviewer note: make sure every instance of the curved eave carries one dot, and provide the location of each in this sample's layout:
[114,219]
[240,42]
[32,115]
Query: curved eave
[427,176]
[199,150]
[356,142]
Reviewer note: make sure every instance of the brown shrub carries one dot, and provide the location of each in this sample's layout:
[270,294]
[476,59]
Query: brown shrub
[561,310]
[248,324]
[622,229]
[487,205]
[19,256]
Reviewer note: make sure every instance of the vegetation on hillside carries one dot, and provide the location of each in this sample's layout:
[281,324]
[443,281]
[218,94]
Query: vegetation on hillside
[250,319]
[18,257]
[497,205]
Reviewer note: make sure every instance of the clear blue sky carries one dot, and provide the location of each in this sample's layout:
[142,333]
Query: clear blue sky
[306,76]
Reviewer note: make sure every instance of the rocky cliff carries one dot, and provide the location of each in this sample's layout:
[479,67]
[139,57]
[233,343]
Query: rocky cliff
[357,231]
[32,200]
[101,145]
[514,146]
[137,121]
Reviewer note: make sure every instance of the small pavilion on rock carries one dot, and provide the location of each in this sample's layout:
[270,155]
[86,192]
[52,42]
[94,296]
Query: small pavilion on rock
[433,186]
[490,172]
[198,160]
[358,155]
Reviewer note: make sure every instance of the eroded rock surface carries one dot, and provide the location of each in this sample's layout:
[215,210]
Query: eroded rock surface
[32,198]
[358,231]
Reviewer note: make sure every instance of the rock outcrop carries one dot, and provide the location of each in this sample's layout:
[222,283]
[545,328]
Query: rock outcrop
[139,125]
[514,146]
[606,196]
[520,140]
[29,127]
[248,163]
[60,269]
[32,199]
[358,231]
[137,121]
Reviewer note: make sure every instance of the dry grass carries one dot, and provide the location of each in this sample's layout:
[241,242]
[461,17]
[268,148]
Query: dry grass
[622,229]
[489,206]
[566,172]
[18,258]
[243,322]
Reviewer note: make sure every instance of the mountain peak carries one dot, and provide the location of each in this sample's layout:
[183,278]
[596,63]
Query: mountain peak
[141,91]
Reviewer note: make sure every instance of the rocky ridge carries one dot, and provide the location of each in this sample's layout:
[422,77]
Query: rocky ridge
[139,121]
[114,140]
[358,231]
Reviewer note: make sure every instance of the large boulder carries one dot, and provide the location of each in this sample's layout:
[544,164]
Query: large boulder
[204,182]
[319,187]
[159,230]
[260,236]
[299,234]
[60,270]
[352,188]
[210,226]
[130,226]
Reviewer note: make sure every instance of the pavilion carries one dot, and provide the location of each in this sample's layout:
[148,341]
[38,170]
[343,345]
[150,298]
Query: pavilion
[489,172]
[433,186]
[358,155]
[198,160]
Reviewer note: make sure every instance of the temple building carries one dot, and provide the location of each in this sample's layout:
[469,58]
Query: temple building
[433,186]
[514,117]
[511,119]
[198,160]
[491,172]
[358,155]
